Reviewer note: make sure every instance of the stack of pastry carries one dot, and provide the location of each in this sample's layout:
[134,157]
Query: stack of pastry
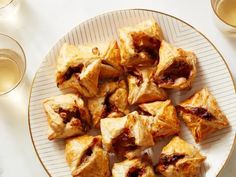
[121,92]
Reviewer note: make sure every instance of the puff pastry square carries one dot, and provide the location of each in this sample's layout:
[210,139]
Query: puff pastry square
[126,136]
[86,158]
[67,116]
[161,118]
[110,58]
[178,158]
[138,167]
[108,53]
[139,44]
[142,87]
[177,67]
[78,69]
[111,101]
[202,114]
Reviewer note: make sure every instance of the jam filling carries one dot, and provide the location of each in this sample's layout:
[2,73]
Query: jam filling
[143,112]
[67,115]
[124,143]
[176,70]
[105,62]
[135,172]
[73,70]
[88,153]
[145,44]
[166,160]
[109,108]
[198,111]
[137,75]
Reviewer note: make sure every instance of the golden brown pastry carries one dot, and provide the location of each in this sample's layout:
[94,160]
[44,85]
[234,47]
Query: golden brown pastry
[67,116]
[142,89]
[138,167]
[139,44]
[108,53]
[126,136]
[111,101]
[86,157]
[110,59]
[81,67]
[202,114]
[77,70]
[161,118]
[177,67]
[180,159]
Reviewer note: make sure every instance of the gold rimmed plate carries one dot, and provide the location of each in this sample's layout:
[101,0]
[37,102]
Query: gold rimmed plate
[212,73]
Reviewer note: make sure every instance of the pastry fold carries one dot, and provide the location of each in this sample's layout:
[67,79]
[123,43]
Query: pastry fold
[139,44]
[81,67]
[108,53]
[142,88]
[67,116]
[78,71]
[126,136]
[202,114]
[138,167]
[178,158]
[111,101]
[86,158]
[161,118]
[111,67]
[177,67]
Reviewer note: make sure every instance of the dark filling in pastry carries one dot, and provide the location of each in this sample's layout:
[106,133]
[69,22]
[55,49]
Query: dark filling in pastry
[73,70]
[143,112]
[198,111]
[109,64]
[67,115]
[135,172]
[166,160]
[105,62]
[176,70]
[88,153]
[124,143]
[108,106]
[147,45]
[137,75]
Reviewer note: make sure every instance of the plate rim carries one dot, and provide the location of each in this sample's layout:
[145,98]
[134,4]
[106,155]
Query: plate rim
[112,11]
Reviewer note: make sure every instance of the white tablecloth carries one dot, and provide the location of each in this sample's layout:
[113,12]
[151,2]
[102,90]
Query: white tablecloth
[39,24]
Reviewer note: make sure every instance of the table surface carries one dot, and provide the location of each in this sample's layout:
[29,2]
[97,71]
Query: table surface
[39,24]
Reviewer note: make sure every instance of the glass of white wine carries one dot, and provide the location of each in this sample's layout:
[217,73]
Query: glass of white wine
[12,64]
[225,14]
[8,8]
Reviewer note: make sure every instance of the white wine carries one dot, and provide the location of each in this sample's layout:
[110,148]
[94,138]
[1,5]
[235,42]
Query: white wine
[226,10]
[10,73]
[3,3]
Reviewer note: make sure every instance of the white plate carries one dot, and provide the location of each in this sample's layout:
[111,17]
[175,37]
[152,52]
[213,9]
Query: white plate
[212,73]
